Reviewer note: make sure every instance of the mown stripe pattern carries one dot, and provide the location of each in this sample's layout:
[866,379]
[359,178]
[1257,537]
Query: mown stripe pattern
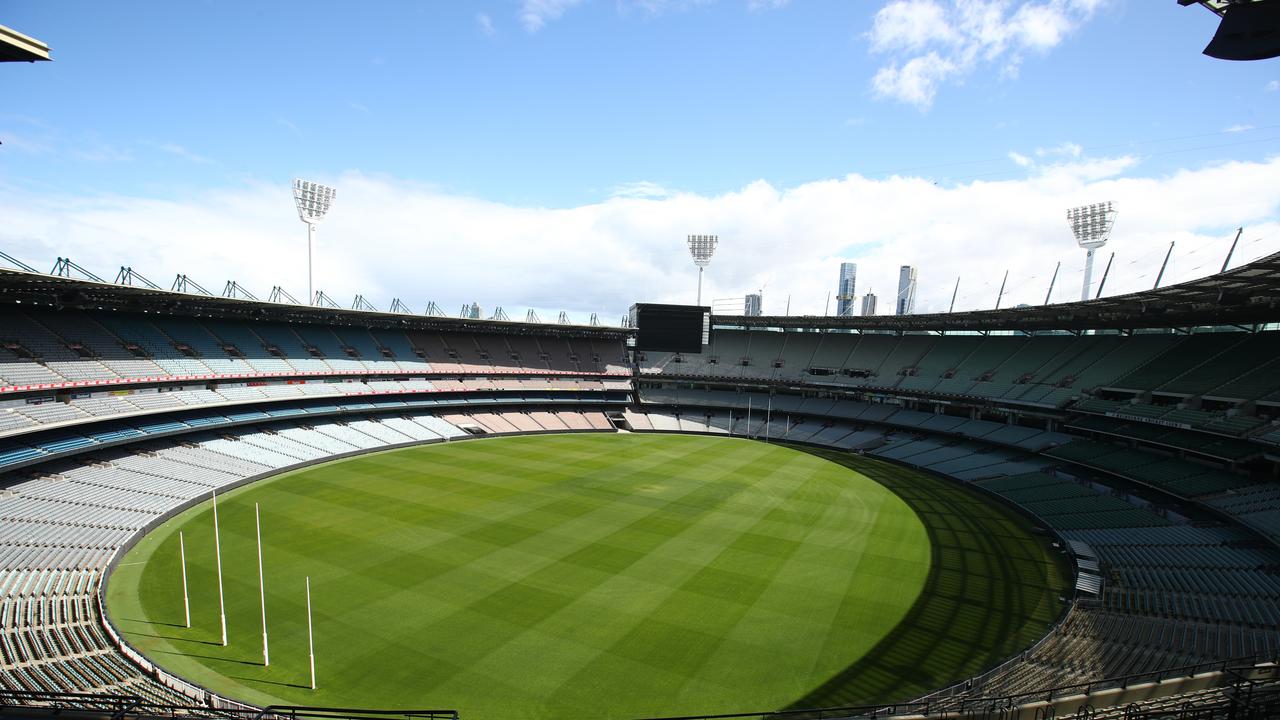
[555,576]
[995,587]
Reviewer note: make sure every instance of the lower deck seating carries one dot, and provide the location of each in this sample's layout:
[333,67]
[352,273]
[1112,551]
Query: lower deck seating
[1097,642]
[61,524]
[1172,592]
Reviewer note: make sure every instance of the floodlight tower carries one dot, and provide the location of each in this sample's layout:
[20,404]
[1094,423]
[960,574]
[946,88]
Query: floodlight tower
[313,201]
[1091,224]
[702,247]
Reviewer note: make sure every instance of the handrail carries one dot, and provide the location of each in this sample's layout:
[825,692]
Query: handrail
[307,711]
[928,705]
[126,705]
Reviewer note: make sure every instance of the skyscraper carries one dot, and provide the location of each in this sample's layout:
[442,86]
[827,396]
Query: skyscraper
[869,304]
[753,305]
[847,288]
[906,290]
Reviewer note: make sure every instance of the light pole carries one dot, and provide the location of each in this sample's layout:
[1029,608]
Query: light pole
[1091,224]
[702,247]
[313,201]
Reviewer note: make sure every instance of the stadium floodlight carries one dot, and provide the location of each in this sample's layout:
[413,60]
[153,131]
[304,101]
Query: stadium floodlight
[702,247]
[1091,224]
[313,201]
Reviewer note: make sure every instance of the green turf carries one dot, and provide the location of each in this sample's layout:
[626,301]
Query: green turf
[994,588]
[592,576]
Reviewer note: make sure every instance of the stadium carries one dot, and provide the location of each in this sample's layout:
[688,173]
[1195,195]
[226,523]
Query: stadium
[215,506]
[1105,468]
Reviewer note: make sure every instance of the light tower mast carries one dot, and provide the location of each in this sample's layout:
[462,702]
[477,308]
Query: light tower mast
[702,247]
[1091,224]
[313,201]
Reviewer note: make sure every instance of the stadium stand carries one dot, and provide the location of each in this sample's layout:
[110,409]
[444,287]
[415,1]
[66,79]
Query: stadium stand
[1236,623]
[63,523]
[1149,452]
[1150,448]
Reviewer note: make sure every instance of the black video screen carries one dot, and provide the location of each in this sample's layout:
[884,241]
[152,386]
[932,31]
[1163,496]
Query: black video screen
[669,328]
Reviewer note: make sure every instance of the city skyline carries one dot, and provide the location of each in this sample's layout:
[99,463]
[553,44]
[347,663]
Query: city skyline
[905,303]
[847,289]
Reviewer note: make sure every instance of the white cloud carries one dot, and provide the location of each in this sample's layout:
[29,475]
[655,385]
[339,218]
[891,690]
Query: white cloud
[389,238]
[288,124]
[641,189]
[89,148]
[1273,86]
[101,152]
[1066,149]
[1091,169]
[180,151]
[534,14]
[915,82]
[1020,160]
[932,41]
[1067,160]
[1238,128]
[30,144]
[911,25]
[486,24]
[760,5]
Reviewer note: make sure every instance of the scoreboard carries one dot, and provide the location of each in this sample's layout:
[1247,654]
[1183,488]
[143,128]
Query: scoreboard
[670,328]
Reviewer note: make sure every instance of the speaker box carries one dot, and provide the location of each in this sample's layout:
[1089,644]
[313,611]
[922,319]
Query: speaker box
[1249,31]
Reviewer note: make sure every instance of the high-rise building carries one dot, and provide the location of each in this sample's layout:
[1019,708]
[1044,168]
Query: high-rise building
[847,288]
[869,304]
[753,305]
[906,290]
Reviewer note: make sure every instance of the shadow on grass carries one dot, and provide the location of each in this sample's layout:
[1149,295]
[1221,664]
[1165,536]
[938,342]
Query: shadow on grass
[977,607]
[204,657]
[259,681]
[153,622]
[174,639]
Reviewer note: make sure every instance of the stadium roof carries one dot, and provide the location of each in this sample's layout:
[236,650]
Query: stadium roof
[37,290]
[16,47]
[1246,296]
[1217,6]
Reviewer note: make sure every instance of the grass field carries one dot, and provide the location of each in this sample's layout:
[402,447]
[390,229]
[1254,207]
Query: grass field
[587,575]
[994,587]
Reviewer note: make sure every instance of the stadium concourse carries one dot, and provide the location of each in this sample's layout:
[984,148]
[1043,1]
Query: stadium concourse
[1142,430]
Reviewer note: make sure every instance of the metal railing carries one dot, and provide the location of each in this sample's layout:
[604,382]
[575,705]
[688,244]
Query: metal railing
[1234,667]
[1241,673]
[996,706]
[134,706]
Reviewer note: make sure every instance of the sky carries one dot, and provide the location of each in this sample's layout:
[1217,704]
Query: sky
[554,154]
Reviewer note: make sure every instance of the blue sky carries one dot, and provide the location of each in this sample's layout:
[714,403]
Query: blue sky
[571,104]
